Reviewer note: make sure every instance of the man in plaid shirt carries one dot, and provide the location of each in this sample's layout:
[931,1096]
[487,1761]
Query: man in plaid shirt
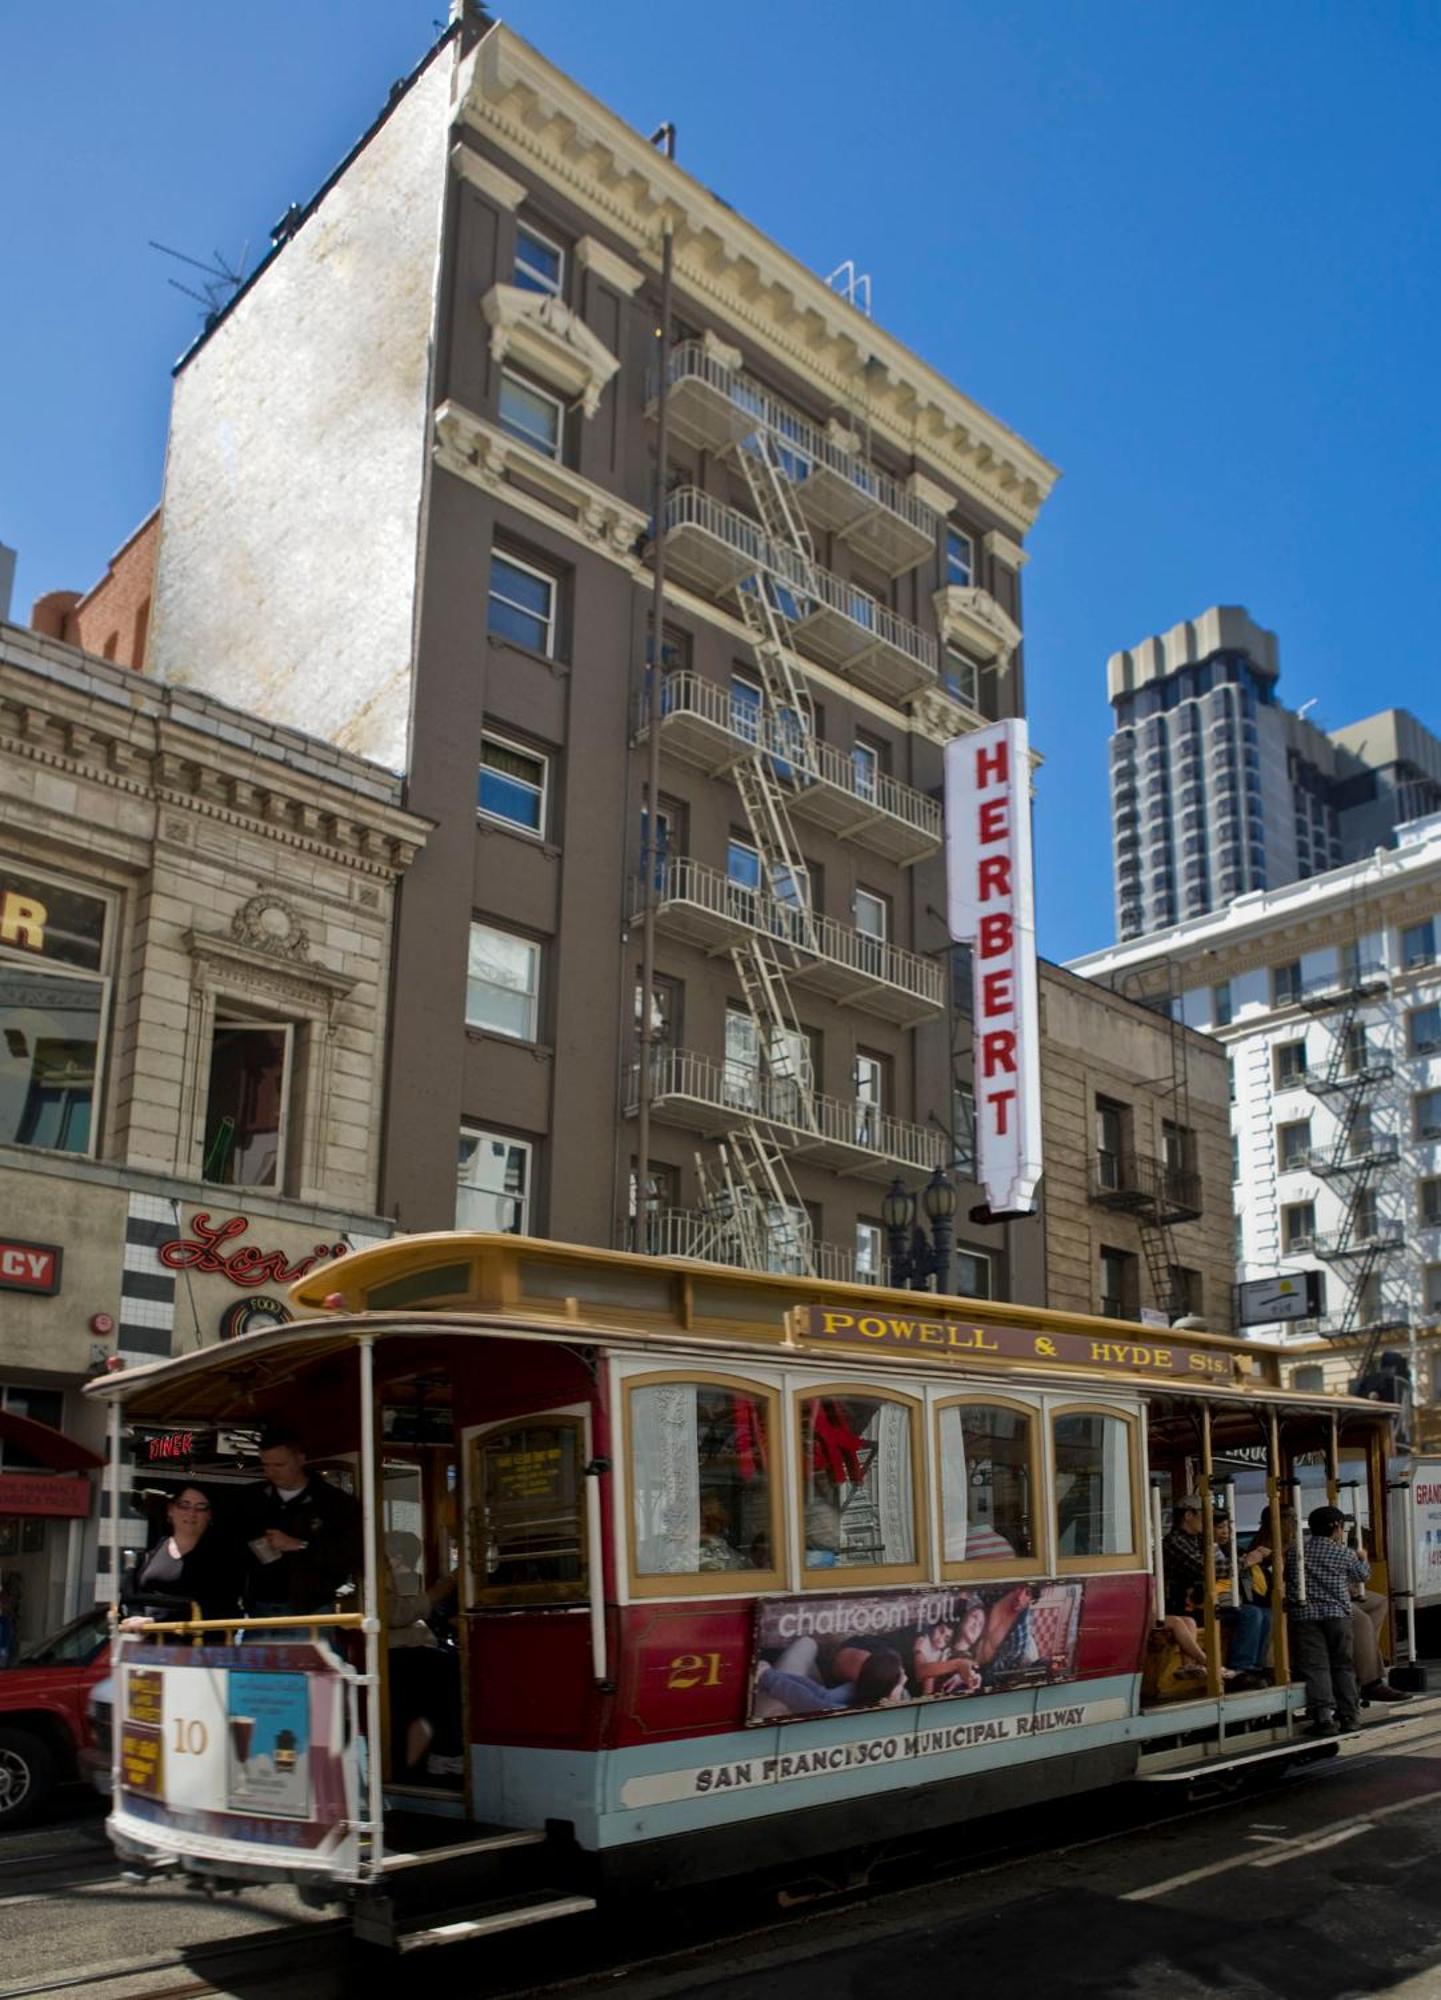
[1321,1626]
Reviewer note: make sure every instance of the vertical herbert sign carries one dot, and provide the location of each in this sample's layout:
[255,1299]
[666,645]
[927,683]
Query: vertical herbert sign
[991,906]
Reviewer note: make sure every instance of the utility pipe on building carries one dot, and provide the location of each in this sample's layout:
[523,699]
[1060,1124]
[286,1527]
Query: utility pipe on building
[644,1230]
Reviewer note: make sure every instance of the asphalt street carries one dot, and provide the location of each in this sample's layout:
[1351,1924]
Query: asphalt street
[1325,1885]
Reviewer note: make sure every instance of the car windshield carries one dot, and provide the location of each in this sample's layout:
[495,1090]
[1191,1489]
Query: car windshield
[74,1645]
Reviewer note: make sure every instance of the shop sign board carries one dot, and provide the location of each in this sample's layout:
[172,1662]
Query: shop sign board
[1298,1295]
[64,1495]
[991,906]
[957,1340]
[30,1267]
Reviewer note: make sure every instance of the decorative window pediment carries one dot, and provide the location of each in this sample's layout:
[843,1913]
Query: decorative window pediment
[970,618]
[540,333]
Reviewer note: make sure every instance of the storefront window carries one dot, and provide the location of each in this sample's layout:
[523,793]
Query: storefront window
[700,1469]
[860,1508]
[53,991]
[43,1406]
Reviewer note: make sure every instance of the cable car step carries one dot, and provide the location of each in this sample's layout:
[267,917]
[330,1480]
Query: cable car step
[490,1843]
[507,1913]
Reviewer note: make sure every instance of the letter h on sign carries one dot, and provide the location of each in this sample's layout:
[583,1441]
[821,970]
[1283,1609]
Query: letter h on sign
[991,906]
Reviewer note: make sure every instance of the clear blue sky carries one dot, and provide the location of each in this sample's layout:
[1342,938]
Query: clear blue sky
[1189,251]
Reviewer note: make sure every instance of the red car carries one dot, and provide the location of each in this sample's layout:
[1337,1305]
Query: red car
[43,1727]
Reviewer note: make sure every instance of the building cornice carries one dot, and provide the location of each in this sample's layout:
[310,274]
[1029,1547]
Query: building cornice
[486,177]
[592,255]
[528,109]
[491,459]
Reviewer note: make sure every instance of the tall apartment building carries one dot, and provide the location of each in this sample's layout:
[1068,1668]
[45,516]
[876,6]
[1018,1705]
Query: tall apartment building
[195,919]
[409,504]
[1327,997]
[1218,790]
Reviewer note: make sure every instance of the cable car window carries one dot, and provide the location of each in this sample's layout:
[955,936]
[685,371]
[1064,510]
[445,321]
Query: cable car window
[987,1478]
[701,1480]
[1094,1510]
[527,1518]
[860,1499]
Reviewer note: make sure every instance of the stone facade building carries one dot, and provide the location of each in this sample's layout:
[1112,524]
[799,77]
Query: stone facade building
[409,505]
[195,940]
[1136,1127]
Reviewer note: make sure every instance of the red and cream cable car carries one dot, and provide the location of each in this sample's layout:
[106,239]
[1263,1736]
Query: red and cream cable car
[747,1569]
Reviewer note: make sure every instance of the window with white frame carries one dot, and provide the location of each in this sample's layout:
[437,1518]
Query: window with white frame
[55,952]
[1286,983]
[962,677]
[522,603]
[1298,1228]
[870,1093]
[1290,1059]
[870,1254]
[1221,1004]
[1418,944]
[1293,1143]
[539,263]
[502,984]
[1427,1112]
[971,1274]
[1423,1029]
[866,767]
[493,1183]
[960,558]
[533,415]
[247,1102]
[873,923]
[512,786]
[747,708]
[1429,1191]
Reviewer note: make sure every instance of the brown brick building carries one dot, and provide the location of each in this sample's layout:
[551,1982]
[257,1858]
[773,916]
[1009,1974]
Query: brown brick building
[409,505]
[1136,1124]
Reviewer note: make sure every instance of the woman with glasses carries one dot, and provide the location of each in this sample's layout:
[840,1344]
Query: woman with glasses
[190,1564]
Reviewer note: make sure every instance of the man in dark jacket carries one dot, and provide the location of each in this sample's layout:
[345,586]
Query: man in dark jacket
[303,1535]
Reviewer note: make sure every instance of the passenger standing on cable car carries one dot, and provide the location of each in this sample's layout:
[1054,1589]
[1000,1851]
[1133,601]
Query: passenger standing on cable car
[303,1535]
[1321,1624]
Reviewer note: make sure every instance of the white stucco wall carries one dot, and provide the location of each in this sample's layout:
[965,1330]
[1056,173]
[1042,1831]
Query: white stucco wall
[286,573]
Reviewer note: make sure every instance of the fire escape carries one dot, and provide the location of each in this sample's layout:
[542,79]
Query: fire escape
[1360,1165]
[760,1112]
[1156,1191]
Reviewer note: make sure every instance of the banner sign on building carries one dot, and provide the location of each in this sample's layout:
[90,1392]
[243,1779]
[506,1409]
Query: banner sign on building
[61,1494]
[1261,1301]
[956,1340]
[991,907]
[822,1655]
[30,1267]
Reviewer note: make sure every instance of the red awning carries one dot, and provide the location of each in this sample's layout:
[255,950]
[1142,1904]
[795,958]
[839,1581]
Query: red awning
[47,1446]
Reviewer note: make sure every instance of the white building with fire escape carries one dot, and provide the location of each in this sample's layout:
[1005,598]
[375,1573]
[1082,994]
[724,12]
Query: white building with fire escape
[1327,995]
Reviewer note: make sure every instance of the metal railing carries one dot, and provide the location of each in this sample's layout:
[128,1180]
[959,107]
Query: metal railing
[1379,1150]
[1383,1236]
[800,756]
[682,880]
[800,446]
[1140,1181]
[802,585]
[780,1100]
[682,1232]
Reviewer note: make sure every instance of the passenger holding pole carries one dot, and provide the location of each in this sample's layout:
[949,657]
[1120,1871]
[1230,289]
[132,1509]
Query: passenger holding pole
[303,1535]
[1318,1592]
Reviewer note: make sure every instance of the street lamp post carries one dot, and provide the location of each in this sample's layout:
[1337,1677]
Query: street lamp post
[914,1258]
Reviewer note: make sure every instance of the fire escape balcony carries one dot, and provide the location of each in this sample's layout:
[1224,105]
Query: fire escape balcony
[716,407]
[1375,1242]
[1377,1068]
[709,1239]
[716,547]
[705,907]
[1148,1188]
[1337,1166]
[702,724]
[1344,993]
[850,1138]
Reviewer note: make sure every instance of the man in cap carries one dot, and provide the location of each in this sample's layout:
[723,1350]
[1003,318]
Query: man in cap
[1318,1603]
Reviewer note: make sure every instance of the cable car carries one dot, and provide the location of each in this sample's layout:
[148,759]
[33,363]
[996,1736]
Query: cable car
[746,1570]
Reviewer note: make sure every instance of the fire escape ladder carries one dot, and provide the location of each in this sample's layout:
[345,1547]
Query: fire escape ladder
[784,1047]
[1368,1175]
[774,502]
[1158,1246]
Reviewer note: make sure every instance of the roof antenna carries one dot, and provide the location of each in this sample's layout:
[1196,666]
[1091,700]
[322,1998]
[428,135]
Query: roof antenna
[219,282]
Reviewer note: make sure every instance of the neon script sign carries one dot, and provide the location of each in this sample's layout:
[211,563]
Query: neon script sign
[248,1266]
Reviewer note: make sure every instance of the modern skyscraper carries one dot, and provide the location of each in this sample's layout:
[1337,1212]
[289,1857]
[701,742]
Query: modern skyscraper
[1217,789]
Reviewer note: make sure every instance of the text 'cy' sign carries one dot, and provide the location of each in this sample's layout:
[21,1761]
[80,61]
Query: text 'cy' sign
[991,907]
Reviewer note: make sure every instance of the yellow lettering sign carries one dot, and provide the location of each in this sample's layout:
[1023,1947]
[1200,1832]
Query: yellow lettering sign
[691,1670]
[22,921]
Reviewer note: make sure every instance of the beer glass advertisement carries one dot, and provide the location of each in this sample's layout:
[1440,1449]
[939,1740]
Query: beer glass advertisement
[820,1655]
[268,1722]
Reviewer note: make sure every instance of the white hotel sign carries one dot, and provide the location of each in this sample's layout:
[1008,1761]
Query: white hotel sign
[991,907]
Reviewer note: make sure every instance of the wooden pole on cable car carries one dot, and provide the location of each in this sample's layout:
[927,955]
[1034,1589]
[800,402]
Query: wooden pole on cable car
[370,1525]
[1280,1637]
[1333,1462]
[1212,1633]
